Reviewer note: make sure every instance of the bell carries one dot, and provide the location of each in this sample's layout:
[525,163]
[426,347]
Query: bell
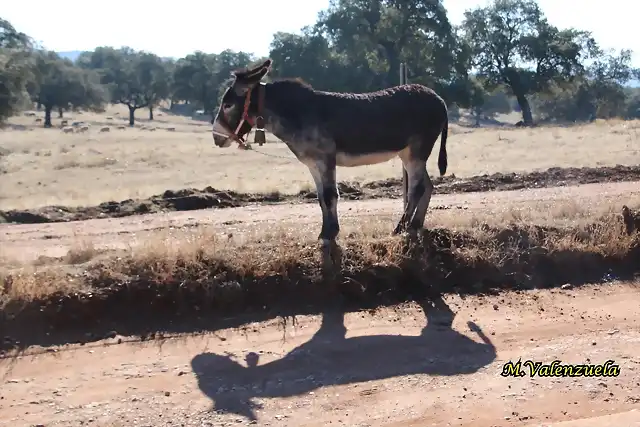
[259,136]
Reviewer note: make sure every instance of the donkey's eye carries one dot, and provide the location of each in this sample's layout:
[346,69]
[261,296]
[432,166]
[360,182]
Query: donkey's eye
[227,106]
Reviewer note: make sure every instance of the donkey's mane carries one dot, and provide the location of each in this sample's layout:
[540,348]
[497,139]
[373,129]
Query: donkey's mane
[298,85]
[297,81]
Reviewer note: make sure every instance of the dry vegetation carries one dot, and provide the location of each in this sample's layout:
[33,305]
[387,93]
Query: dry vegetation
[176,271]
[42,167]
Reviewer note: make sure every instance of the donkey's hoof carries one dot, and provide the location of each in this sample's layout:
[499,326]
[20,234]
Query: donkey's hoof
[407,233]
[331,257]
[398,230]
[412,233]
[326,243]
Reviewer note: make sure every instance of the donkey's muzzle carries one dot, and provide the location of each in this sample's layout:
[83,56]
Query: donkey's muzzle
[220,140]
[221,134]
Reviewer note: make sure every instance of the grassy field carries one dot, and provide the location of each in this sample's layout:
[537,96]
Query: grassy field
[41,167]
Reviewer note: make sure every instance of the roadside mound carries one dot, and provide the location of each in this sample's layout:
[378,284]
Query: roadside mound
[194,199]
[186,285]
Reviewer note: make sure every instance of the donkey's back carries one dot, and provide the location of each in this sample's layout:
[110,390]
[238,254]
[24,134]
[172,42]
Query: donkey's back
[385,120]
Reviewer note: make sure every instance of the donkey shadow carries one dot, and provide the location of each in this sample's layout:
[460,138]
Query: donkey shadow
[329,358]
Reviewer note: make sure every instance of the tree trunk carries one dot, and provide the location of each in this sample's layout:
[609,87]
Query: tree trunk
[38,106]
[132,119]
[171,105]
[150,112]
[47,116]
[393,58]
[523,102]
[512,78]
[60,113]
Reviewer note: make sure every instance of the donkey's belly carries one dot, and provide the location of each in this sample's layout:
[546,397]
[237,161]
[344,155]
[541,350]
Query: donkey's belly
[350,160]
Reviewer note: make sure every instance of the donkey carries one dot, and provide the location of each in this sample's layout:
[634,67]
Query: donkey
[329,129]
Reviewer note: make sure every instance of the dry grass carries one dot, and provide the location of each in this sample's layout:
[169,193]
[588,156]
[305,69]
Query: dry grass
[42,167]
[569,242]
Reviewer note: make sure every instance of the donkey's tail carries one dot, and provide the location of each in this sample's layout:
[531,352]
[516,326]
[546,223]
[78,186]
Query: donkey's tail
[442,157]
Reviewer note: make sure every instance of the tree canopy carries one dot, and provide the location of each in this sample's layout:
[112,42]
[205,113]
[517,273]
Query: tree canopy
[15,69]
[57,83]
[505,55]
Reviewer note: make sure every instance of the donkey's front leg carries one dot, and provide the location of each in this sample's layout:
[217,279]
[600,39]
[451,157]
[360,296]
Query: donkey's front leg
[323,172]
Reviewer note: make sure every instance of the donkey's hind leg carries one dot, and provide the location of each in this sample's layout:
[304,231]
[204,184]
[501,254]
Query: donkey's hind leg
[416,188]
[417,222]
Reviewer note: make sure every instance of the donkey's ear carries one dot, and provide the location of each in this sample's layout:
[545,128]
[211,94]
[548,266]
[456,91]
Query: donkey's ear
[257,76]
[260,70]
[252,77]
[250,73]
[267,64]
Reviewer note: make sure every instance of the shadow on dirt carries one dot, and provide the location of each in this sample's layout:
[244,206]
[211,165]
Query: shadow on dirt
[194,199]
[329,358]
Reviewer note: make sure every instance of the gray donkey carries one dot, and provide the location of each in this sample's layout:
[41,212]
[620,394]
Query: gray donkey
[329,129]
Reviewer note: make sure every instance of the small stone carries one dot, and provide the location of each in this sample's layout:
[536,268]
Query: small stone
[167,393]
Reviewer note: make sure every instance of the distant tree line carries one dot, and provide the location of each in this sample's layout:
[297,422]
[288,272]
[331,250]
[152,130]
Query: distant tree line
[503,57]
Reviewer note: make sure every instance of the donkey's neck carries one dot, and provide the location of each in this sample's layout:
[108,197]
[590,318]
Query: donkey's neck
[290,107]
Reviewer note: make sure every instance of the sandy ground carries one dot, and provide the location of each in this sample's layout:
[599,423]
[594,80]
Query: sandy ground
[26,242]
[388,369]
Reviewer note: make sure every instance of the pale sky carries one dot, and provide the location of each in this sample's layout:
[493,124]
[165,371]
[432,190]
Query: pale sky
[211,26]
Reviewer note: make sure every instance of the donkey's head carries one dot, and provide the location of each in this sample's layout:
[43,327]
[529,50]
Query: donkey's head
[239,106]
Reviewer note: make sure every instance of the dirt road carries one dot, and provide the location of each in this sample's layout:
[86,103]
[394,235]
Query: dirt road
[27,242]
[388,370]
